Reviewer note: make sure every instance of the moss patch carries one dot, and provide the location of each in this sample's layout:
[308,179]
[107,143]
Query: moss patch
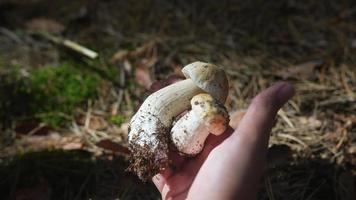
[117,120]
[58,89]
[49,94]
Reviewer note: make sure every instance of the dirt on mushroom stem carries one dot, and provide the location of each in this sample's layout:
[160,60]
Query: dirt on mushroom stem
[144,160]
[147,161]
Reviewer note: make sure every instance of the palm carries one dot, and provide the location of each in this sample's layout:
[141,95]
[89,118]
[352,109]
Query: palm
[175,183]
[230,165]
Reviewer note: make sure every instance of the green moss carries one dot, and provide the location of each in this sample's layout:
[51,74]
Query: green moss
[49,94]
[117,120]
[57,90]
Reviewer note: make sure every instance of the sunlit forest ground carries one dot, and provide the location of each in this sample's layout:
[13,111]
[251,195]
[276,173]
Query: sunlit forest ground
[64,115]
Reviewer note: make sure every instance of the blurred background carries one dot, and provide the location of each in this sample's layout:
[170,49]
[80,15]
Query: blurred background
[72,73]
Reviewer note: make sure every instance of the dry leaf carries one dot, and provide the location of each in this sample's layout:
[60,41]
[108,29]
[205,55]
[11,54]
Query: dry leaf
[145,50]
[301,71]
[44,25]
[97,123]
[94,122]
[143,77]
[119,55]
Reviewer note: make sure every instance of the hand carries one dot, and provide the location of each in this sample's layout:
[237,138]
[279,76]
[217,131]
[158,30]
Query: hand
[231,165]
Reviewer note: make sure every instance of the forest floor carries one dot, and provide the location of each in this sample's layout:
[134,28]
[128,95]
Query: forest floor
[64,115]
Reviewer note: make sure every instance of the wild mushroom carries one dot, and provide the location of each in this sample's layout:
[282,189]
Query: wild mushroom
[206,116]
[149,128]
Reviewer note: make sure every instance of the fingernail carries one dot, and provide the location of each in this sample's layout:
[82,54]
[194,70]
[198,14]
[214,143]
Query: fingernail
[285,92]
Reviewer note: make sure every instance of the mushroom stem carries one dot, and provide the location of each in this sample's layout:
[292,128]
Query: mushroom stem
[160,108]
[148,138]
[190,131]
[170,101]
[149,128]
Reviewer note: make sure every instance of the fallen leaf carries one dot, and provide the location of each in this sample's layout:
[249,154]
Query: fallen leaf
[97,123]
[44,25]
[301,71]
[142,51]
[143,77]
[119,55]
[147,49]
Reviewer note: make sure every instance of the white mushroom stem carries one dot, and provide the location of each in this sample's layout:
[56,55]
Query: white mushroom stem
[158,111]
[190,131]
[149,128]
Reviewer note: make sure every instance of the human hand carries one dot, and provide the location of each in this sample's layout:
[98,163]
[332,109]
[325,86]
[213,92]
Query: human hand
[230,165]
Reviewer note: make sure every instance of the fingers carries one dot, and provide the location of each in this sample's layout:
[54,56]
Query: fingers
[237,163]
[260,116]
[190,166]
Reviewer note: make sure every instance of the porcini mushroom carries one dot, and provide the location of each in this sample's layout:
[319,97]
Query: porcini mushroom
[150,127]
[206,116]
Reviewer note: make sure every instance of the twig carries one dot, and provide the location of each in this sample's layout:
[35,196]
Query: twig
[292,138]
[37,128]
[88,115]
[283,115]
[70,45]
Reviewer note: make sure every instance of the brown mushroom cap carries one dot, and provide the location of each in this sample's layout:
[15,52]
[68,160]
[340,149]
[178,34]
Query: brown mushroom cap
[210,78]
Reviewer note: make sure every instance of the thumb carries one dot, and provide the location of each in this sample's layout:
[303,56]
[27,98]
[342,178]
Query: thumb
[238,162]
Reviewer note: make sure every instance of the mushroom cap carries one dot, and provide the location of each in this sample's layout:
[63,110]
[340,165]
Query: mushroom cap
[211,112]
[210,78]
